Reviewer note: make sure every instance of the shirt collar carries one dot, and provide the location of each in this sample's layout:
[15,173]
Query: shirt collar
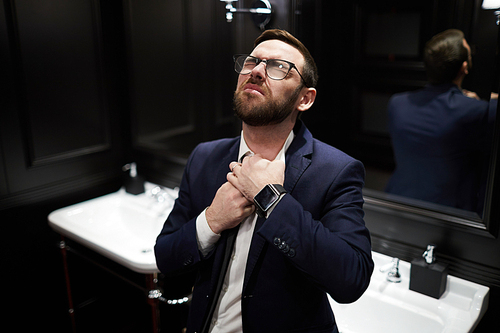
[281,155]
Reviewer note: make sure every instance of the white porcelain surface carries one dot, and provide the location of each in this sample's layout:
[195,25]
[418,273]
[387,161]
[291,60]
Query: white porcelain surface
[120,226]
[393,307]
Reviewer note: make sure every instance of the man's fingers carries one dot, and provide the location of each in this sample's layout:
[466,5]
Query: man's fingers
[233,165]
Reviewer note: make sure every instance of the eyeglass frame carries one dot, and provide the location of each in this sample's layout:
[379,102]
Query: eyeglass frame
[292,65]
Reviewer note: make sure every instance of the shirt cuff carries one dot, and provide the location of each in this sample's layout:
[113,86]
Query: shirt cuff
[204,235]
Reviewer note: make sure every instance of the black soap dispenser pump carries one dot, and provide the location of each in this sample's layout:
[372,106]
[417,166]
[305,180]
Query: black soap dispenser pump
[427,276]
[134,184]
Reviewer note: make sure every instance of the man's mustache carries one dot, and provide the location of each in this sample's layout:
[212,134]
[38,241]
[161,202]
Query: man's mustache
[256,82]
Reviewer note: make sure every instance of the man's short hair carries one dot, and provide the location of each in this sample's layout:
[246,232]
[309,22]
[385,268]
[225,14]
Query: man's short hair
[310,71]
[444,55]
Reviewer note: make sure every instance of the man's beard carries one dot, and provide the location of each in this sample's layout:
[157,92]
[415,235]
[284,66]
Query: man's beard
[271,113]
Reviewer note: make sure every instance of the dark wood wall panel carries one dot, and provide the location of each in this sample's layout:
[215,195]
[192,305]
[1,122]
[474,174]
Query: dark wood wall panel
[158,69]
[7,91]
[57,133]
[63,106]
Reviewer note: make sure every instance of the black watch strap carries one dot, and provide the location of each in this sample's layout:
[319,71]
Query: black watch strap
[280,188]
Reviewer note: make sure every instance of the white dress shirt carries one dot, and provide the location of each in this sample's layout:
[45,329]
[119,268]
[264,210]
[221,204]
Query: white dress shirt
[227,315]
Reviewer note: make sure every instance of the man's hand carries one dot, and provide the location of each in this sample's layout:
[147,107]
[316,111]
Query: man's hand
[228,209]
[470,94]
[254,173]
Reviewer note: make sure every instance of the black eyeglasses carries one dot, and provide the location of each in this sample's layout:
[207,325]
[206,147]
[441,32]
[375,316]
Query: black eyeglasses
[276,69]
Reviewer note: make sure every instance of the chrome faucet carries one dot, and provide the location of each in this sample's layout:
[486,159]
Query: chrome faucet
[161,200]
[393,271]
[160,195]
[428,255]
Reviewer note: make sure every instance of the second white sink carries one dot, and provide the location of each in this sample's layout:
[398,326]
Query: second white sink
[392,307]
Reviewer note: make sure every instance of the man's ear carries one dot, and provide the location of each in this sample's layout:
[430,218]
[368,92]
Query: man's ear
[307,99]
[465,67]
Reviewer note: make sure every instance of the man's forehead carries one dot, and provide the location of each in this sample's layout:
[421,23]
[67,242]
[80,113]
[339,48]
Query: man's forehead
[276,49]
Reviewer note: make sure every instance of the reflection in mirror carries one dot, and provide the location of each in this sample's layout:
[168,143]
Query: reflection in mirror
[441,134]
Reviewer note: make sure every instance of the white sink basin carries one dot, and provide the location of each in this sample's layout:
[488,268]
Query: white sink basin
[120,226]
[393,307]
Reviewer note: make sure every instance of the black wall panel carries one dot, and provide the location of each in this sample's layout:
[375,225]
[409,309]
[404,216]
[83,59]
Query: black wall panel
[56,122]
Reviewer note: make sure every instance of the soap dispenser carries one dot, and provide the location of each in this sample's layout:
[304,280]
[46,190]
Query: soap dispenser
[134,184]
[427,276]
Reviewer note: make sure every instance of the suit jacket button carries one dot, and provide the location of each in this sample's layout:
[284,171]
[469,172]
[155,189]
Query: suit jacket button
[188,261]
[291,253]
[277,241]
[282,245]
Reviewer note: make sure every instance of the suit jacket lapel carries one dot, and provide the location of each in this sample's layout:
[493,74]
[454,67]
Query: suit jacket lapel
[223,167]
[298,156]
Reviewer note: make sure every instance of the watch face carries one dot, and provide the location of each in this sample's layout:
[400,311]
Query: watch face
[265,198]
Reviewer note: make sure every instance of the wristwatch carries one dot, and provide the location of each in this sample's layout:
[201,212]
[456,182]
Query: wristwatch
[267,197]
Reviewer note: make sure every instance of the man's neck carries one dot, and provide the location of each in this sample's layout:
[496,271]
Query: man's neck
[267,141]
[458,80]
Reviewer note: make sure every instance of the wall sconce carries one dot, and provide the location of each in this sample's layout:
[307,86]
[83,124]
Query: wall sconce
[260,11]
[492,4]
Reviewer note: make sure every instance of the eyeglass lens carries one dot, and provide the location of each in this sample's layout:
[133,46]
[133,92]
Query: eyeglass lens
[275,69]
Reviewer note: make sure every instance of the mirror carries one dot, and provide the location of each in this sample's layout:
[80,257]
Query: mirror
[398,35]
[376,52]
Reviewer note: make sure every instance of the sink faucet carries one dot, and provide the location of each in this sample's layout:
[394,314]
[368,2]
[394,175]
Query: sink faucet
[393,271]
[161,200]
[161,195]
[428,255]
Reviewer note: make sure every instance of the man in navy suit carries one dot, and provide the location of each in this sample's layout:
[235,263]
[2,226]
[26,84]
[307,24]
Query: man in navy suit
[441,134]
[271,221]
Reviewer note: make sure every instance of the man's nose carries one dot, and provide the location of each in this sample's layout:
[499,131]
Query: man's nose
[259,71]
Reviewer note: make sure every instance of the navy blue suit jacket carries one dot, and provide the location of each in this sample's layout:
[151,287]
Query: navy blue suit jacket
[441,141]
[314,242]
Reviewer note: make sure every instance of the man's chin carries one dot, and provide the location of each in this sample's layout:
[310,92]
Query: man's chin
[257,119]
[257,111]
[249,96]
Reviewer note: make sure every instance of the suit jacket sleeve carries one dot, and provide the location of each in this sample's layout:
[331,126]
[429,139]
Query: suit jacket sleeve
[176,247]
[320,227]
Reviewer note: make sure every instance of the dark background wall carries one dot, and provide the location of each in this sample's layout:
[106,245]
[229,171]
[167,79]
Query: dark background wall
[90,85]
